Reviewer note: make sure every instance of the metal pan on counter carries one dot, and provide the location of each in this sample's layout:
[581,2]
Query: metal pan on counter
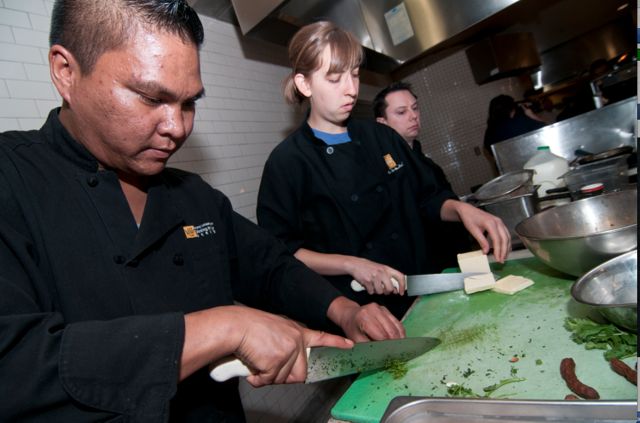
[460,410]
[587,157]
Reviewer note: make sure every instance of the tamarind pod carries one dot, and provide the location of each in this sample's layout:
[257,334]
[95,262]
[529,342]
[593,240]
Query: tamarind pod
[621,368]
[568,372]
[571,397]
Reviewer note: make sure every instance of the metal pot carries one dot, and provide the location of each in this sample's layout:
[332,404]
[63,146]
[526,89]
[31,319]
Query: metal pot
[513,209]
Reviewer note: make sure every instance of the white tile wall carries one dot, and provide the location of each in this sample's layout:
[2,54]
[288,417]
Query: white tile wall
[453,113]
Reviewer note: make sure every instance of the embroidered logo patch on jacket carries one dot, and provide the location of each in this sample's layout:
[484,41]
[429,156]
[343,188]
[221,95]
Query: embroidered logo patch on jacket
[391,164]
[198,231]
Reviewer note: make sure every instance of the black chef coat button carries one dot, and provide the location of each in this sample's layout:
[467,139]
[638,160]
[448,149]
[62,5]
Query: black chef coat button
[134,263]
[92,181]
[354,197]
[379,188]
[369,245]
[118,259]
[394,236]
[178,260]
[329,150]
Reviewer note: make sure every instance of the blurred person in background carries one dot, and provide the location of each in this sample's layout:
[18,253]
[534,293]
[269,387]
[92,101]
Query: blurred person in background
[508,119]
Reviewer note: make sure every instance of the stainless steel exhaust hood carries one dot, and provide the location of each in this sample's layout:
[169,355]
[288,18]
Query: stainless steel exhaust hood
[393,31]
[403,36]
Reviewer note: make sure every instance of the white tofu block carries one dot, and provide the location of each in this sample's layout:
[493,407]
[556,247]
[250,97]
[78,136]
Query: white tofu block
[511,284]
[474,261]
[479,283]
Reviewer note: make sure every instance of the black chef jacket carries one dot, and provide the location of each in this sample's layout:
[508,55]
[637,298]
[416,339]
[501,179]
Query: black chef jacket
[367,198]
[452,236]
[91,307]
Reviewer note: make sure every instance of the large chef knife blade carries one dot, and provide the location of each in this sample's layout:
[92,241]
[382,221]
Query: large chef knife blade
[429,283]
[328,362]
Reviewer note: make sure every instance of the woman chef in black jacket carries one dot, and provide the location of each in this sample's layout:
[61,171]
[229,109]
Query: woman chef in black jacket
[347,196]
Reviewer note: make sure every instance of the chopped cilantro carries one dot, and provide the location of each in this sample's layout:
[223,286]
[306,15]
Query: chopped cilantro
[492,388]
[397,368]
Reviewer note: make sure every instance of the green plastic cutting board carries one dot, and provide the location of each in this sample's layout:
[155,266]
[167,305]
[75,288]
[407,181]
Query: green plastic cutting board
[480,334]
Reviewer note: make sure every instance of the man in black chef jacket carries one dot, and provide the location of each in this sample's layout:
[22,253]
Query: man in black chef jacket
[397,106]
[118,275]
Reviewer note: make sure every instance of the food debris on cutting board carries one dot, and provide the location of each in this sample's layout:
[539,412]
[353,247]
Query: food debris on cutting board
[396,368]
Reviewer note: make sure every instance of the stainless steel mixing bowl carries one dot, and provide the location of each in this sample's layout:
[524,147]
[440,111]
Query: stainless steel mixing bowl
[576,237]
[612,288]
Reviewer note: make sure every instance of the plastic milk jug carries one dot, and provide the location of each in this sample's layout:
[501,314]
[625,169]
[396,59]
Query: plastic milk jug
[548,168]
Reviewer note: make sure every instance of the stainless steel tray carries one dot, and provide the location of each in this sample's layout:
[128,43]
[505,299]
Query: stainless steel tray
[456,410]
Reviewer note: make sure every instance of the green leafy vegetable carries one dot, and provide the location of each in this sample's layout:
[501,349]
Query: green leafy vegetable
[397,368]
[492,388]
[608,337]
[456,390]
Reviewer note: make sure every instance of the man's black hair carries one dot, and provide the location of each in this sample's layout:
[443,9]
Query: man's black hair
[89,28]
[380,101]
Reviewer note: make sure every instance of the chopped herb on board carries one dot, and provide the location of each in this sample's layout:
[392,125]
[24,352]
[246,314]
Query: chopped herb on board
[608,337]
[492,388]
[456,390]
[397,368]
[468,373]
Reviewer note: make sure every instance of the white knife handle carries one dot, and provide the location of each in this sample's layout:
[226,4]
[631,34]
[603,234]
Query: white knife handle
[356,286]
[230,367]
[227,368]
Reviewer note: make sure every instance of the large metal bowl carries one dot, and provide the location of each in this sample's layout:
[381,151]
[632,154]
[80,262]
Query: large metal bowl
[576,237]
[612,288]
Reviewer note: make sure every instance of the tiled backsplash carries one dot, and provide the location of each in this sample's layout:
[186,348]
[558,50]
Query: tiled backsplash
[453,112]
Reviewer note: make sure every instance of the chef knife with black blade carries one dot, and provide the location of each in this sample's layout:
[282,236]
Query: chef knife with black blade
[428,284]
[329,362]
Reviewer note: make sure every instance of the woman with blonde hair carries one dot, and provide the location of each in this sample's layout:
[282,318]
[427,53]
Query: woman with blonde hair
[347,196]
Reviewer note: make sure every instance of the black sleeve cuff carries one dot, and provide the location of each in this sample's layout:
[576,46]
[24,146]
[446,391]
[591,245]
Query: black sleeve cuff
[128,365]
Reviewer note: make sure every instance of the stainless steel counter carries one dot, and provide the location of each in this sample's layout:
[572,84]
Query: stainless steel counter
[595,131]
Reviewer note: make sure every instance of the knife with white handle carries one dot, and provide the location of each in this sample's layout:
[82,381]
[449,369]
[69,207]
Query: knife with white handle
[230,367]
[329,362]
[427,284]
